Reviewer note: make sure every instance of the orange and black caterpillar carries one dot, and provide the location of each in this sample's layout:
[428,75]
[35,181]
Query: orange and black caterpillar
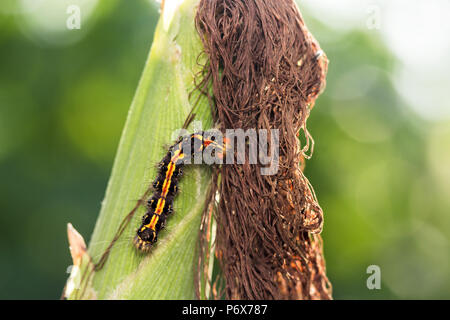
[160,205]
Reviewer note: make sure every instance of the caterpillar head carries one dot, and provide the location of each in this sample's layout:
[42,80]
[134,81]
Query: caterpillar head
[145,238]
[220,144]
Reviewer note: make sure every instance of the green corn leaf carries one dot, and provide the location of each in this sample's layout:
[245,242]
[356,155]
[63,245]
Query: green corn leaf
[160,106]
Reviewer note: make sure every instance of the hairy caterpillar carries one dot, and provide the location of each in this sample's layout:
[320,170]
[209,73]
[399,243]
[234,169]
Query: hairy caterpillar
[160,204]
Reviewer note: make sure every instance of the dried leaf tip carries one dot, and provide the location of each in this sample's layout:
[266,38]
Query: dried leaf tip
[77,246]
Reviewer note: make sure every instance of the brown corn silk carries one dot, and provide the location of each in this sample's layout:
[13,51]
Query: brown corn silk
[266,71]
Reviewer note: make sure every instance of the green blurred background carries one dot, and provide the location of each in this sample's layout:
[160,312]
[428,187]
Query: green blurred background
[381,166]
